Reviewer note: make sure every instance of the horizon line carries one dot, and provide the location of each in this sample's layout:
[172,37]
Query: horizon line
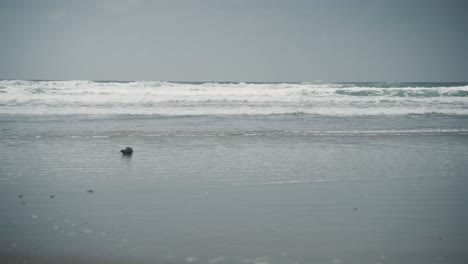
[224,81]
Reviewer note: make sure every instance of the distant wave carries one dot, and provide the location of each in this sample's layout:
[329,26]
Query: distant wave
[18,97]
[250,133]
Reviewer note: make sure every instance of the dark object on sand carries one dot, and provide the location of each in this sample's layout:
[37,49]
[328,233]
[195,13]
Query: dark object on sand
[52,196]
[128,151]
[89,191]
[20,196]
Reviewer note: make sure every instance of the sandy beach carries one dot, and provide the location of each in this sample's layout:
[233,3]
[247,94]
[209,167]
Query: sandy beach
[231,195]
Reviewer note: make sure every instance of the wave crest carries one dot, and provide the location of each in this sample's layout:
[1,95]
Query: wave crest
[178,98]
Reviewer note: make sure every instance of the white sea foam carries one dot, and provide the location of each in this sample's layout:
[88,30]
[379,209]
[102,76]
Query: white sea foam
[168,98]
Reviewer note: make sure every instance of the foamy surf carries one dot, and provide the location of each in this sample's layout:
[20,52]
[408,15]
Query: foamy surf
[186,99]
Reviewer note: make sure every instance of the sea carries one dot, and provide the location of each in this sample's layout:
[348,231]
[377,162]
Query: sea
[233,172]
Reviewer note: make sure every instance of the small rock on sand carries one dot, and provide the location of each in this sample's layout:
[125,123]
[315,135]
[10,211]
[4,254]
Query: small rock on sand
[128,151]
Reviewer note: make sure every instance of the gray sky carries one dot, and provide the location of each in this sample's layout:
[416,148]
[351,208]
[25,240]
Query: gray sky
[235,40]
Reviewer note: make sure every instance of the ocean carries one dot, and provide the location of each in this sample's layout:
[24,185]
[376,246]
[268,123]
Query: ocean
[228,172]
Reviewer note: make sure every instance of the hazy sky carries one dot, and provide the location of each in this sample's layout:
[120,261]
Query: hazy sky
[235,40]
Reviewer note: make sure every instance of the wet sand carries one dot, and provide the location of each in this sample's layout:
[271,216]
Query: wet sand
[239,198]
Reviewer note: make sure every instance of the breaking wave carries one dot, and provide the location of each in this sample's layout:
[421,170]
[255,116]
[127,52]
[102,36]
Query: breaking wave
[19,97]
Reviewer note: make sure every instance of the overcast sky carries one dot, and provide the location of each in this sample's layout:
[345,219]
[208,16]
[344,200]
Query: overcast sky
[235,40]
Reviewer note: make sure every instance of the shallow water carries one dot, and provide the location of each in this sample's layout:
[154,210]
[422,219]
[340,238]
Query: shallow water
[234,189]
